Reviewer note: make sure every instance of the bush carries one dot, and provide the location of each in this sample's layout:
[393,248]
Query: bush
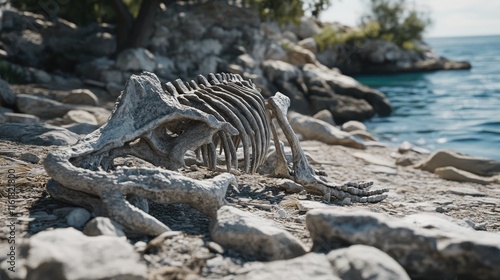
[399,22]
[390,20]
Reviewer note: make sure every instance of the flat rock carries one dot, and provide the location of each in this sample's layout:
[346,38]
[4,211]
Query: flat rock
[314,129]
[289,186]
[365,262]
[310,266]
[38,134]
[427,246]
[255,236]
[373,159]
[379,169]
[454,174]
[478,166]
[466,191]
[18,118]
[363,135]
[306,205]
[103,226]
[79,116]
[81,128]
[69,254]
[41,106]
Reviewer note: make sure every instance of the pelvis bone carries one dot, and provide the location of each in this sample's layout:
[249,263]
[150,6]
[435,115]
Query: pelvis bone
[160,125]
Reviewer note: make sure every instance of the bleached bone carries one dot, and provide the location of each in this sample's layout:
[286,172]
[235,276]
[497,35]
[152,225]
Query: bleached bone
[159,125]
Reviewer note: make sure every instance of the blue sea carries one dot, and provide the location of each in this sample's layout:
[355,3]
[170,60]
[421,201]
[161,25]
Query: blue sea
[457,110]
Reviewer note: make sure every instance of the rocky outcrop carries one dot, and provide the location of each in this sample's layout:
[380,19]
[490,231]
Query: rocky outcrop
[380,57]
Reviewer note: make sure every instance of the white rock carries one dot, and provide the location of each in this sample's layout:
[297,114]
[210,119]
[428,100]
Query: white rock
[365,262]
[81,97]
[310,266]
[251,235]
[353,125]
[374,159]
[79,116]
[103,226]
[69,254]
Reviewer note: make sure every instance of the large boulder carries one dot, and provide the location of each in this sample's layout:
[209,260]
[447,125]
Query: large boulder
[478,166]
[347,86]
[138,59]
[314,129]
[254,236]
[69,254]
[37,134]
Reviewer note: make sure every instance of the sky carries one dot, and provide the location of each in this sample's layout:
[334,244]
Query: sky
[450,17]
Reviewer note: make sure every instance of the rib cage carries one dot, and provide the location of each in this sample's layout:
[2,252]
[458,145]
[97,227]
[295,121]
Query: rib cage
[229,98]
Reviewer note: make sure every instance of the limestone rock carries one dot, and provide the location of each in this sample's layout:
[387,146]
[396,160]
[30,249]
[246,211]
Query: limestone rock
[325,115]
[252,235]
[136,60]
[18,118]
[81,128]
[41,106]
[425,245]
[7,96]
[454,174]
[38,134]
[465,190]
[81,97]
[363,135]
[69,254]
[373,159]
[353,126]
[310,266]
[365,262]
[289,186]
[79,116]
[478,166]
[103,226]
[309,44]
[408,158]
[347,86]
[314,129]
[78,217]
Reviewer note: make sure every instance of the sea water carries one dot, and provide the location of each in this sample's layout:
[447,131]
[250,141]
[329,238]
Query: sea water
[457,110]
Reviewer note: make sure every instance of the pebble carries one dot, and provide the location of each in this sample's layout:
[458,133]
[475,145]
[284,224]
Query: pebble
[78,217]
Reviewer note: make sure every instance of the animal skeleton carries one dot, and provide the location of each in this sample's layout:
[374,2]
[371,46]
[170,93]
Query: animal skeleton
[160,125]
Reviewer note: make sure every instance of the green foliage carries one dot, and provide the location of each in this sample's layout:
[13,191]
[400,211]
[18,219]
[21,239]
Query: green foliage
[391,20]
[330,36]
[399,22]
[288,11]
[78,12]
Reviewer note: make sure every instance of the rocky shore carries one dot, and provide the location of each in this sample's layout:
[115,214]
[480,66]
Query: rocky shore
[440,219]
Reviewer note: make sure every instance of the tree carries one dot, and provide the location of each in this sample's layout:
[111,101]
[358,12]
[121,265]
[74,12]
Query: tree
[398,21]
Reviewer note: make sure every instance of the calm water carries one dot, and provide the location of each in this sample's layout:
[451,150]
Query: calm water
[458,110]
